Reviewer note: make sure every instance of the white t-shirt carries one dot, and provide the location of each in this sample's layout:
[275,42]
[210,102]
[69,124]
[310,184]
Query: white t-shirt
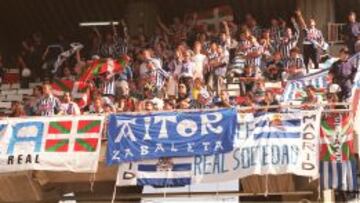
[199,61]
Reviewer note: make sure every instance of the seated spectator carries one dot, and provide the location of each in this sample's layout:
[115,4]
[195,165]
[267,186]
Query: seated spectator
[97,106]
[108,108]
[125,102]
[68,107]
[259,90]
[269,104]
[183,94]
[17,110]
[310,98]
[198,85]
[224,100]
[149,106]
[203,101]
[247,101]
[273,73]
[29,106]
[169,105]
[293,73]
[277,61]
[247,79]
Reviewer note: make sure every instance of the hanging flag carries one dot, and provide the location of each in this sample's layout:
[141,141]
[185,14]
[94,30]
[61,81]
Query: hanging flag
[337,160]
[270,144]
[66,143]
[133,137]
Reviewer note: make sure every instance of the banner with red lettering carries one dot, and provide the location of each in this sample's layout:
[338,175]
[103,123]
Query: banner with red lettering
[66,143]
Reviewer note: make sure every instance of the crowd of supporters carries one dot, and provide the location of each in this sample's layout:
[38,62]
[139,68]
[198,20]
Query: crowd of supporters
[185,66]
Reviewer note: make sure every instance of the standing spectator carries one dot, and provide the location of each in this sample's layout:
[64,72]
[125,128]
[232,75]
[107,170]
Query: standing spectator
[296,59]
[343,73]
[289,40]
[113,45]
[351,32]
[148,69]
[68,107]
[254,53]
[313,41]
[200,61]
[187,70]
[48,105]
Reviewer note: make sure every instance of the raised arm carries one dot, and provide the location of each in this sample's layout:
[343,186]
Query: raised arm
[163,26]
[227,29]
[193,21]
[125,30]
[300,19]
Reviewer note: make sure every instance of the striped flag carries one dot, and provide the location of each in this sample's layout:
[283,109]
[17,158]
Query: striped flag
[337,161]
[164,172]
[294,89]
[161,77]
[278,126]
[58,136]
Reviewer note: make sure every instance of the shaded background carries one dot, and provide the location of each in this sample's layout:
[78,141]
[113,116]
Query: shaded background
[19,18]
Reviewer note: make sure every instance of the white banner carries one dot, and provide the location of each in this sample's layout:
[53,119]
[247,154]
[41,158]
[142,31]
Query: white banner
[274,143]
[66,143]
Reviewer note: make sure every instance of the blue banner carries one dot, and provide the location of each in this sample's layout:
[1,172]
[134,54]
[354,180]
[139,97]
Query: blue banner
[170,134]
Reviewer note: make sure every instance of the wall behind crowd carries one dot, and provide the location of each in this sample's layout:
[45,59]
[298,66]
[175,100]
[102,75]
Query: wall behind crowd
[19,17]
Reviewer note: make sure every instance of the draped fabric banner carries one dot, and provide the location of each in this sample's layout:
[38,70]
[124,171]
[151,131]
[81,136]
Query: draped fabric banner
[337,156]
[170,134]
[67,143]
[295,89]
[274,143]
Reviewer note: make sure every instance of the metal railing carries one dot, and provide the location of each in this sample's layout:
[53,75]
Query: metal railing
[335,31]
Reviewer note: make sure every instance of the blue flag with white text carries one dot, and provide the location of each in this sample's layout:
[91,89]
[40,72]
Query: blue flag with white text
[133,137]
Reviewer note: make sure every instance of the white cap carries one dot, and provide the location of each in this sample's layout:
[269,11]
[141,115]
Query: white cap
[334,88]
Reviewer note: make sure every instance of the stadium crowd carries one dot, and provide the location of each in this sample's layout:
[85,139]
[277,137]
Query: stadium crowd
[186,66]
